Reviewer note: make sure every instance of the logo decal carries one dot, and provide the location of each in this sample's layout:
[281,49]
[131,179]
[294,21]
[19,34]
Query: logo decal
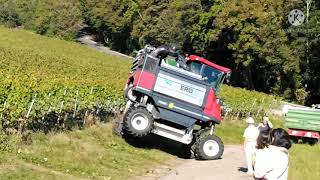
[186,89]
[168,82]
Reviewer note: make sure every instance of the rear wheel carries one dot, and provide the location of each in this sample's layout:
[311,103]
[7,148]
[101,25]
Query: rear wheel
[138,122]
[208,147]
[310,141]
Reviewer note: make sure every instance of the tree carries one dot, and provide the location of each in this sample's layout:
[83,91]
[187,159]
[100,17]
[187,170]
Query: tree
[9,13]
[57,18]
[112,20]
[253,32]
[167,22]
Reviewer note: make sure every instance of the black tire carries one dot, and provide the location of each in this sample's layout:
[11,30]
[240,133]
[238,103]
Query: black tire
[313,142]
[204,145]
[137,122]
[310,141]
[294,140]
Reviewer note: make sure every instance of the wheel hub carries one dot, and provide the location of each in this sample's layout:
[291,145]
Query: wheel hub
[139,122]
[211,148]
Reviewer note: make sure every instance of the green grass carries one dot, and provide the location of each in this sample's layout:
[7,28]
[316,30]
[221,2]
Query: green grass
[231,130]
[304,162]
[94,153]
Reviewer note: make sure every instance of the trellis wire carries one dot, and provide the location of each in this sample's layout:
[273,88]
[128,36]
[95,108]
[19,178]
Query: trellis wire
[109,106]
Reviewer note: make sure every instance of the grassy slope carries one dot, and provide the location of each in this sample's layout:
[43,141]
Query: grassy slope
[92,153]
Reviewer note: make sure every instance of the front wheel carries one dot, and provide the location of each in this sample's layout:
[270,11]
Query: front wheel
[138,122]
[208,147]
[294,139]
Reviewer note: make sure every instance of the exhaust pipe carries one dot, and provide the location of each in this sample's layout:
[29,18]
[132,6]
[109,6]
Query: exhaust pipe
[160,51]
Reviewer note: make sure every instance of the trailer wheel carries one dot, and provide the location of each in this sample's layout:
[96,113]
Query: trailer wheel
[310,141]
[294,140]
[313,142]
[138,122]
[208,147]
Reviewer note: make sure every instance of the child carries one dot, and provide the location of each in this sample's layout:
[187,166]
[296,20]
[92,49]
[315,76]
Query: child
[250,134]
[263,143]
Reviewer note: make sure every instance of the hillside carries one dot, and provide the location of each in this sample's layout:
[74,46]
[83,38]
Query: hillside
[47,67]
[93,153]
[40,58]
[54,70]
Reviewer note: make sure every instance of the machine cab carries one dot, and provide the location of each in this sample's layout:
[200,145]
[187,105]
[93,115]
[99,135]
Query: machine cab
[211,73]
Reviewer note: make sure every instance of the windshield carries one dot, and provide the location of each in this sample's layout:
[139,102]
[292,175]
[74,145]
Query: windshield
[210,75]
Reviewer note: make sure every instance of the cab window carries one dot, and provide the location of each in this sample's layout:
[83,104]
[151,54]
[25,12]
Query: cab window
[195,67]
[209,74]
[212,76]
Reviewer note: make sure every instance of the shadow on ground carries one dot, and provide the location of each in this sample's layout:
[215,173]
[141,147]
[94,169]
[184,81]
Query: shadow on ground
[153,141]
[243,169]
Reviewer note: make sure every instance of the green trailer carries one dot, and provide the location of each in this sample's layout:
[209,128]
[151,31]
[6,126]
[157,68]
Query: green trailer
[303,123]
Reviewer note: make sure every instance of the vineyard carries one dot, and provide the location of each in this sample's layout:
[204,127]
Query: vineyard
[47,81]
[241,103]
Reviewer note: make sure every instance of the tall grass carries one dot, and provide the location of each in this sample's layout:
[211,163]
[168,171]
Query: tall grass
[304,162]
[94,153]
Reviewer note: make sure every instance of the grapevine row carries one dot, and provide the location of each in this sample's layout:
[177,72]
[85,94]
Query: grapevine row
[53,107]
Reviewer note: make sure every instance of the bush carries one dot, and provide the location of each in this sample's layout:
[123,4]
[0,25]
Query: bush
[57,18]
[9,14]
[5,143]
[52,18]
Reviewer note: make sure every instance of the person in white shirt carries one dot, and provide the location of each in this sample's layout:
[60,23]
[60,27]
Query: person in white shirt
[250,134]
[263,142]
[273,162]
[265,124]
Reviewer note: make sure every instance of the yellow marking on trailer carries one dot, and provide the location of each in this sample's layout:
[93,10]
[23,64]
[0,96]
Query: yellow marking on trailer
[171,105]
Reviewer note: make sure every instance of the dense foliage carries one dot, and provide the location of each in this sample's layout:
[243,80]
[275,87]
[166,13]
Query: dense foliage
[53,18]
[252,37]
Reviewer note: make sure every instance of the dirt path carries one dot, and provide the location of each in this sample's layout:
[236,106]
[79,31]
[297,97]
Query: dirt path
[230,167]
[87,40]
